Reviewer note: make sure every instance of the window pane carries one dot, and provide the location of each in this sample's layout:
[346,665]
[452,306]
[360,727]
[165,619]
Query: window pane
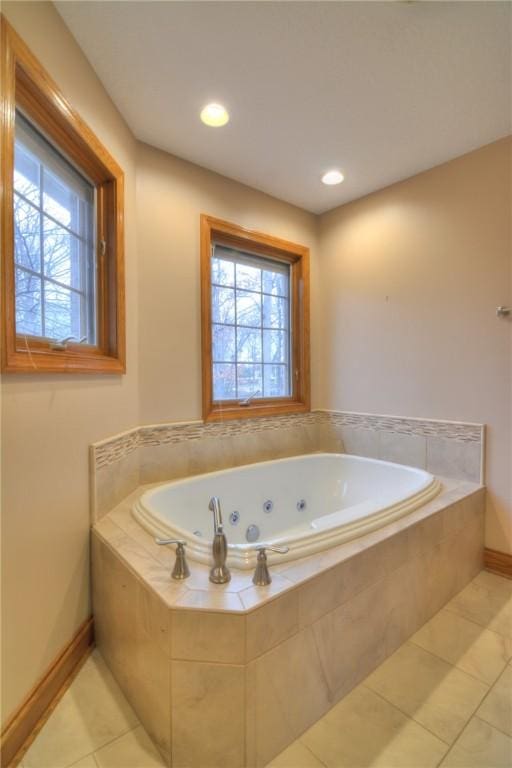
[62,312]
[223,343]
[60,202]
[276,382]
[250,295]
[275,347]
[223,272]
[275,312]
[45,244]
[224,382]
[28,303]
[249,379]
[26,173]
[27,239]
[248,277]
[249,345]
[62,256]
[248,308]
[223,305]
[276,282]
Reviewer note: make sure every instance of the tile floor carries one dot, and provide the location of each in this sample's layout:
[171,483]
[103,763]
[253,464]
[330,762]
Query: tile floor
[443,699]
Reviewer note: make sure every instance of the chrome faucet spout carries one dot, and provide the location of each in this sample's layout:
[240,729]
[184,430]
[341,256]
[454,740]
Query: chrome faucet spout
[214,506]
[219,573]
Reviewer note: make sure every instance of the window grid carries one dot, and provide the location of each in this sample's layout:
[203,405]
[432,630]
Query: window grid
[86,278]
[286,366]
[42,212]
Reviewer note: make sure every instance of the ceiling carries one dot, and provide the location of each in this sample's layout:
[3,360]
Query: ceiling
[381,90]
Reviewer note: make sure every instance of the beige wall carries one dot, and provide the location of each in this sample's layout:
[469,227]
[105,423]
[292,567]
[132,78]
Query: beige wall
[171,195]
[49,421]
[410,280]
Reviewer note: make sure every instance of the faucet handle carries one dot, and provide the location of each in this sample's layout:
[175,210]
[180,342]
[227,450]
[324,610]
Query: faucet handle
[279,550]
[262,577]
[181,570]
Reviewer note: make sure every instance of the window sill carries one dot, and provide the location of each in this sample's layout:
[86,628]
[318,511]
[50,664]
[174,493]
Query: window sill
[67,361]
[224,412]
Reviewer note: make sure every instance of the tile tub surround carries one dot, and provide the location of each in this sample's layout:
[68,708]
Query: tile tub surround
[196,659]
[383,721]
[162,452]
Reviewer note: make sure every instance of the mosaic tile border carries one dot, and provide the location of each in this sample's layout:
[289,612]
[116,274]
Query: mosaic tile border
[453,430]
[111,450]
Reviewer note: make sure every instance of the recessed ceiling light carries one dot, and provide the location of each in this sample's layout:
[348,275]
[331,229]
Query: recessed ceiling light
[214,115]
[332,177]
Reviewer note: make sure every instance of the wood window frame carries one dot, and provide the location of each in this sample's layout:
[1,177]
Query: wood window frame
[215,230]
[26,85]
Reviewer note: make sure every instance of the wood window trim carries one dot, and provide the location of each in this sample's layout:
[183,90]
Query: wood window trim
[215,230]
[27,85]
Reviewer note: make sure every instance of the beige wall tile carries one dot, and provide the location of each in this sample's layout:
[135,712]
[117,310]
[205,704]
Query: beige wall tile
[496,708]
[272,623]
[210,454]
[154,618]
[114,482]
[468,646]
[286,692]
[480,746]
[434,693]
[359,442]
[329,439]
[471,550]
[333,587]
[136,657]
[453,458]
[353,639]
[164,462]
[252,595]
[434,576]
[203,636]
[427,533]
[403,449]
[365,730]
[208,727]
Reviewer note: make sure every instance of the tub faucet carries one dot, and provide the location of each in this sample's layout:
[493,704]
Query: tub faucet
[219,574]
[262,577]
[181,570]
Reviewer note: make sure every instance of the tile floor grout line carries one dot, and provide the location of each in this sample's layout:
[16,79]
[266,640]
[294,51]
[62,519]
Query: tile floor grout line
[407,715]
[473,717]
[472,621]
[492,687]
[440,763]
[299,740]
[496,728]
[455,666]
[106,744]
[491,690]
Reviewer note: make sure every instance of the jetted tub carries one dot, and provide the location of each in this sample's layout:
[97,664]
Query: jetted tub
[308,503]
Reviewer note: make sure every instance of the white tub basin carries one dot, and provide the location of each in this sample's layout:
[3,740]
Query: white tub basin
[316,501]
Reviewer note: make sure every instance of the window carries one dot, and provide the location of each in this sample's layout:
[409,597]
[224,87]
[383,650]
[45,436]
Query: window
[255,323]
[54,255]
[62,246]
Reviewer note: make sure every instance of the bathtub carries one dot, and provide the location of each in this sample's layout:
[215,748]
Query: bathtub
[308,503]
